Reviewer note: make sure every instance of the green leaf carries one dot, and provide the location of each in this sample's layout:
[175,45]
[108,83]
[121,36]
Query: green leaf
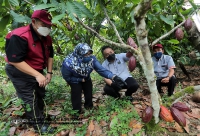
[58,17]
[169,20]
[193,5]
[73,9]
[14,2]
[52,9]
[132,16]
[45,1]
[135,2]
[43,6]
[185,60]
[19,18]
[4,21]
[157,29]
[173,41]
[83,9]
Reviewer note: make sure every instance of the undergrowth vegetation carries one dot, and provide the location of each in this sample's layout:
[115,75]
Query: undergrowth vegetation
[117,114]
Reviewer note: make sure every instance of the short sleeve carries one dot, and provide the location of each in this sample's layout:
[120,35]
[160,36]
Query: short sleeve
[171,63]
[16,49]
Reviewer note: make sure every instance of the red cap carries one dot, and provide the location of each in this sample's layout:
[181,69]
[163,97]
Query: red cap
[42,15]
[157,46]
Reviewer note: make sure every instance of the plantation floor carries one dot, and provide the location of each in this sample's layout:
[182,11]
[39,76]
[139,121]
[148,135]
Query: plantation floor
[114,117]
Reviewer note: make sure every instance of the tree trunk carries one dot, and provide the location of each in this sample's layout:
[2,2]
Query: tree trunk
[144,55]
[194,36]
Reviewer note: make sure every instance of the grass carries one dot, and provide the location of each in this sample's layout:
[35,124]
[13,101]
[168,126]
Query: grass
[116,113]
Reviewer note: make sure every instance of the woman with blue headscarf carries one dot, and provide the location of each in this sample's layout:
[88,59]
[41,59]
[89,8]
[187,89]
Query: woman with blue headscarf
[76,69]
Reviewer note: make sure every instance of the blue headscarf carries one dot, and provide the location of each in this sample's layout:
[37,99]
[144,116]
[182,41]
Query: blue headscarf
[74,60]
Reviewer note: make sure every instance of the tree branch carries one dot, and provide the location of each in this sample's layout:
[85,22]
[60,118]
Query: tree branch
[122,45]
[171,31]
[114,27]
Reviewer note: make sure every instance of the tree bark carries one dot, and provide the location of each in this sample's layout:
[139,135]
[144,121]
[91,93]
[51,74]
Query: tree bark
[145,56]
[194,36]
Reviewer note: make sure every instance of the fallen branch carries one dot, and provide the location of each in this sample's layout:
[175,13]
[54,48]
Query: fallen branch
[181,93]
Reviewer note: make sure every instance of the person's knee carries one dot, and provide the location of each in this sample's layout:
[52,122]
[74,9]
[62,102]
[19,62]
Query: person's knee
[134,86]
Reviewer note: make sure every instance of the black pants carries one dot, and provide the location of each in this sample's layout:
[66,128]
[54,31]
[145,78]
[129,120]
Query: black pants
[76,93]
[171,85]
[28,90]
[131,87]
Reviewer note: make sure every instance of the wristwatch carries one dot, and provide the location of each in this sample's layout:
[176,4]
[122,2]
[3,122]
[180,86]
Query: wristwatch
[50,73]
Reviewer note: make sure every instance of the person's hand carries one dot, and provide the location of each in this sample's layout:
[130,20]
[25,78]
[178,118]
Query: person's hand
[165,80]
[120,82]
[41,80]
[48,78]
[116,87]
[83,80]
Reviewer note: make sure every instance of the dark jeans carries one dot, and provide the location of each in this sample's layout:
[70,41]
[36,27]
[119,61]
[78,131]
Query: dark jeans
[131,87]
[76,93]
[171,85]
[28,90]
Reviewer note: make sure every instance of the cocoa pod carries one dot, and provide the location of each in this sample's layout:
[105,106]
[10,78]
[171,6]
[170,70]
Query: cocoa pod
[131,63]
[179,34]
[131,42]
[69,28]
[196,97]
[188,24]
[147,114]
[129,54]
[76,37]
[181,106]
[165,114]
[178,116]
[58,49]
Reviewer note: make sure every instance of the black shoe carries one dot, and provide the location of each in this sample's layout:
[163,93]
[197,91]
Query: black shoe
[44,129]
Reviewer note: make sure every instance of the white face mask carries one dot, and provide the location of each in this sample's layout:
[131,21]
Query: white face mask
[44,31]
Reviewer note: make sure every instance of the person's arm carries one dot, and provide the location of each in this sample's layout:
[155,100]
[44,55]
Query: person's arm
[49,70]
[171,67]
[16,50]
[101,70]
[70,78]
[124,57]
[24,67]
[166,79]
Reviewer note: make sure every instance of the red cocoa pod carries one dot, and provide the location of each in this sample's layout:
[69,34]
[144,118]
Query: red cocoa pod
[165,114]
[69,28]
[178,116]
[131,42]
[188,24]
[181,106]
[179,34]
[131,63]
[129,54]
[147,114]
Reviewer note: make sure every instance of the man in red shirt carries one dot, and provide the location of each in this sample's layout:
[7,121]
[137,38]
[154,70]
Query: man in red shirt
[29,51]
